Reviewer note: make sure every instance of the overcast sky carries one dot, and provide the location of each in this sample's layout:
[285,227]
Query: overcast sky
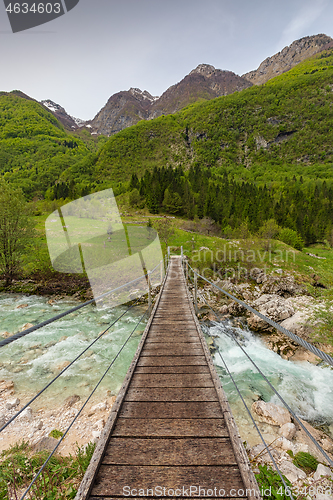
[103,46]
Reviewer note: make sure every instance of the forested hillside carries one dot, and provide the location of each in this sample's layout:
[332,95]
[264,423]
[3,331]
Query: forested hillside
[34,147]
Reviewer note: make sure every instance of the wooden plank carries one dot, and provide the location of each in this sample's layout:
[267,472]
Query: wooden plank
[174,350]
[171,451]
[171,380]
[171,360]
[161,339]
[112,480]
[170,410]
[172,369]
[171,394]
[160,427]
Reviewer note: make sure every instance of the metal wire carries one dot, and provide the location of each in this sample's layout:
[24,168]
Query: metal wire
[19,335]
[80,411]
[315,442]
[66,368]
[287,490]
[323,355]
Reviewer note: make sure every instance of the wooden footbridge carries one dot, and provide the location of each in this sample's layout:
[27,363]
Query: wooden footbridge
[170,432]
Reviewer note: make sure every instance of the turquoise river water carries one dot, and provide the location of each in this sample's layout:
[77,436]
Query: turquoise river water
[36,359]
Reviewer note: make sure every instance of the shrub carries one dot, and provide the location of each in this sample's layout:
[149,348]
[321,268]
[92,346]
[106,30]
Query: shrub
[305,461]
[291,237]
[270,484]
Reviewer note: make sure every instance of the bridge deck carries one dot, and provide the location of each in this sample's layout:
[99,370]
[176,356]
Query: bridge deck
[170,431]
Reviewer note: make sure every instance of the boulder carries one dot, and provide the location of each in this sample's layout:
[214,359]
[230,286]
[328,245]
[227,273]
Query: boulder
[306,443]
[96,408]
[259,453]
[6,385]
[295,321]
[6,334]
[322,471]
[46,443]
[270,413]
[96,435]
[288,431]
[12,403]
[291,472]
[26,326]
[26,414]
[71,400]
[272,306]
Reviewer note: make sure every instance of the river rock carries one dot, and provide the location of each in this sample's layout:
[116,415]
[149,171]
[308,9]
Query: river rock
[96,408]
[63,365]
[26,326]
[283,286]
[2,419]
[99,425]
[6,334]
[322,470]
[21,306]
[259,453]
[71,400]
[295,321]
[12,403]
[270,413]
[26,414]
[285,444]
[288,431]
[304,441]
[46,443]
[6,385]
[96,435]
[291,472]
[272,306]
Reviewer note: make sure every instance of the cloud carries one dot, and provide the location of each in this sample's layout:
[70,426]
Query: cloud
[300,24]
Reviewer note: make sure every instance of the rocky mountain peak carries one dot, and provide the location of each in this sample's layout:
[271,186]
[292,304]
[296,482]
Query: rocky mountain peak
[288,57]
[59,112]
[139,94]
[204,69]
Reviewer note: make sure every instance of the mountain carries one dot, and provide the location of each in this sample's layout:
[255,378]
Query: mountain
[69,122]
[264,133]
[203,83]
[121,111]
[289,57]
[126,108]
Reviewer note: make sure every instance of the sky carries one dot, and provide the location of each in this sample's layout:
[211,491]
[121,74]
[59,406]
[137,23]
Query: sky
[101,47]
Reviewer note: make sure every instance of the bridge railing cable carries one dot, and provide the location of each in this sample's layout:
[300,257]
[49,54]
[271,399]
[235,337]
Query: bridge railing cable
[81,410]
[315,442]
[85,350]
[68,366]
[19,335]
[310,347]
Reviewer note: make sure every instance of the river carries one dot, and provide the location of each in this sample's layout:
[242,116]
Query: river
[36,359]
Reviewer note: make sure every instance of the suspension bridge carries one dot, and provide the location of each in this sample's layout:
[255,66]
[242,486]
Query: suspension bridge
[170,431]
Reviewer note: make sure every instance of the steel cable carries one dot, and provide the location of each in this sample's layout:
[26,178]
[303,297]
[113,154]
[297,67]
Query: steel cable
[19,335]
[80,411]
[323,355]
[66,368]
[322,451]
